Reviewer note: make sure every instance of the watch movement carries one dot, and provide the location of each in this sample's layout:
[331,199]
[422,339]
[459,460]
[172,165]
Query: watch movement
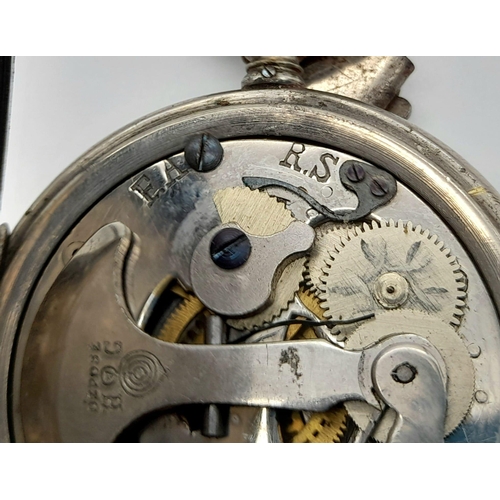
[290,262]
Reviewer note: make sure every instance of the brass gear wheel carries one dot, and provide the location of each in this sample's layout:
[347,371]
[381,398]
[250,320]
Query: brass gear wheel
[311,301]
[392,266]
[459,367]
[323,427]
[181,317]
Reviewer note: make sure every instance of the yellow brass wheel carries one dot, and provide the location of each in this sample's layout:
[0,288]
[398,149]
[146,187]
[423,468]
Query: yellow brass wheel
[322,427]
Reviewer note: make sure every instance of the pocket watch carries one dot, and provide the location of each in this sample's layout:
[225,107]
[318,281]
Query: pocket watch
[290,262]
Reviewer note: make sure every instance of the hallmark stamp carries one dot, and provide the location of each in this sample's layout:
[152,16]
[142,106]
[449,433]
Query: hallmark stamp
[144,187]
[140,372]
[103,379]
[322,173]
[113,375]
[152,184]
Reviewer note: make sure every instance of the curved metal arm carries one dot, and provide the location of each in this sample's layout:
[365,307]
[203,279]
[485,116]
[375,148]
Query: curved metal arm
[100,372]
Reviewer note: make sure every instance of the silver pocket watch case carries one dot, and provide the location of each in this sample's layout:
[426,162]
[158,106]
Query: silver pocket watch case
[291,262]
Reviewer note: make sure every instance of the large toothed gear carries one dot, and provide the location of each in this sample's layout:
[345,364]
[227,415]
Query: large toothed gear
[392,266]
[328,237]
[459,367]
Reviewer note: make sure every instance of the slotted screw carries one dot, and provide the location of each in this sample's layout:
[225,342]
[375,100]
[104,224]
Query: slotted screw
[355,172]
[203,152]
[230,248]
[379,187]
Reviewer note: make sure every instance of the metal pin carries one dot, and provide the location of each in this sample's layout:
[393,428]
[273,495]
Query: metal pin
[216,417]
[404,373]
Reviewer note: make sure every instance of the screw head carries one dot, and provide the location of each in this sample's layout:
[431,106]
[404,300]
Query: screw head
[379,187]
[230,248]
[355,172]
[203,152]
[404,373]
[268,71]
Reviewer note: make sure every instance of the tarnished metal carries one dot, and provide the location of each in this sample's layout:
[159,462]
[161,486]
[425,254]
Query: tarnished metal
[76,366]
[138,374]
[273,71]
[375,189]
[203,152]
[234,292]
[375,80]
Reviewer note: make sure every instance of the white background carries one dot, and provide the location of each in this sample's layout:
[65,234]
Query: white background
[61,110]
[64,105]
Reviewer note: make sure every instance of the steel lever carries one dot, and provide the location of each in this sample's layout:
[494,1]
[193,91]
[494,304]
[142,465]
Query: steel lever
[107,373]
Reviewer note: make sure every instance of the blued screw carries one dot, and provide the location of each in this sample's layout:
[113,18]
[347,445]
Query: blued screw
[230,248]
[203,152]
[379,187]
[268,71]
[355,172]
[404,373]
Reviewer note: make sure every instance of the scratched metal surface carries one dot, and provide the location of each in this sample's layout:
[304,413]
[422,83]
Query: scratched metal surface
[170,208]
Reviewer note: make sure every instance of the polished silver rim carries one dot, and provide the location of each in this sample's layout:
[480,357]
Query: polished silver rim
[445,181]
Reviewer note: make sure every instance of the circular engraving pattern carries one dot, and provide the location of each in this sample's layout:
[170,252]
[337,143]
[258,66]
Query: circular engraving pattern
[140,372]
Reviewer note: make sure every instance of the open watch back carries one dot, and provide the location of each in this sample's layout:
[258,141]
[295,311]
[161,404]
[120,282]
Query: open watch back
[277,264]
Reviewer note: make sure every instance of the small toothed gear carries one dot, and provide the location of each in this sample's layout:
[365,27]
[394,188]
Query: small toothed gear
[459,366]
[180,318]
[311,301]
[328,236]
[284,291]
[392,266]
